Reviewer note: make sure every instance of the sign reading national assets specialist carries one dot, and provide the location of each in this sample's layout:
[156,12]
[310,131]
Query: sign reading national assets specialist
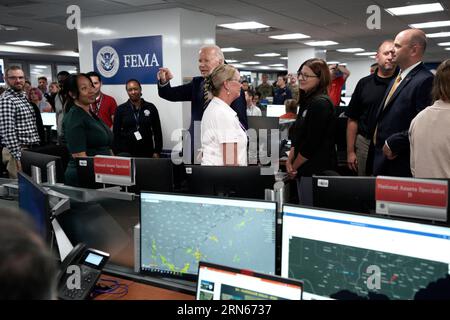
[118,60]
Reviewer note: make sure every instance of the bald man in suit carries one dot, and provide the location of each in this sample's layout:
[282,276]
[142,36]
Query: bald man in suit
[405,97]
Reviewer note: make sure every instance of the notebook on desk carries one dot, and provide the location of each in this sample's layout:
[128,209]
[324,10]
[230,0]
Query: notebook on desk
[216,282]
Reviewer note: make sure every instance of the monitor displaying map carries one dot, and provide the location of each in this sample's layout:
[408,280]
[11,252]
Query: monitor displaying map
[348,256]
[178,231]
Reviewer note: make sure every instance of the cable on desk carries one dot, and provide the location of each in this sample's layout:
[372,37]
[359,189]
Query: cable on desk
[116,288]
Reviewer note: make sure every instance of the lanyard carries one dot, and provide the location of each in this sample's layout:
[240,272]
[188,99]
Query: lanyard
[97,105]
[136,115]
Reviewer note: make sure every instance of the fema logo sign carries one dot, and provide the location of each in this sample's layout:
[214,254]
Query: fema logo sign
[107,62]
[118,60]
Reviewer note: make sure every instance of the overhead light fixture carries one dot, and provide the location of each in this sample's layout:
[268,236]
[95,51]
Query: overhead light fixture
[277,65]
[231,61]
[321,43]
[372,57]
[4,27]
[41,67]
[290,36]
[415,9]
[271,54]
[438,35]
[365,54]
[28,43]
[238,65]
[72,71]
[99,31]
[251,63]
[231,49]
[244,25]
[444,44]
[284,58]
[351,50]
[447,49]
[333,62]
[432,24]
[263,67]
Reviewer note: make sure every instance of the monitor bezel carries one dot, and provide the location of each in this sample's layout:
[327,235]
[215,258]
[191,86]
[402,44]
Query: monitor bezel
[189,276]
[277,278]
[49,216]
[376,216]
[195,168]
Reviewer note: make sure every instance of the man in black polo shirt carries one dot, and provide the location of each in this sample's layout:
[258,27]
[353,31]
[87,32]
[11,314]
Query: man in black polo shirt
[361,112]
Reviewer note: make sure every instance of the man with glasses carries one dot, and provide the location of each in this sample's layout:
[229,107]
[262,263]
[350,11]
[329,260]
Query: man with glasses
[18,129]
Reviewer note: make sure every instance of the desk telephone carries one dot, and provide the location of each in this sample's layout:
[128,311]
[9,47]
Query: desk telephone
[84,263]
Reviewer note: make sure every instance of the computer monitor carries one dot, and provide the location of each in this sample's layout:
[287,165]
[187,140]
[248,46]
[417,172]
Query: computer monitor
[40,160]
[354,194]
[227,181]
[34,200]
[49,119]
[348,256]
[153,175]
[217,282]
[86,174]
[275,110]
[263,138]
[257,123]
[178,231]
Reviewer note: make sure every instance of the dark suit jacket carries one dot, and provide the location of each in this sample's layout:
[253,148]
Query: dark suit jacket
[193,91]
[412,96]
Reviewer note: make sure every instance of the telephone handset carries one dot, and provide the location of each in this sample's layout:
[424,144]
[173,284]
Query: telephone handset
[79,272]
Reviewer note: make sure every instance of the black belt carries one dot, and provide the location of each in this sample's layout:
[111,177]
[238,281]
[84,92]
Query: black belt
[29,146]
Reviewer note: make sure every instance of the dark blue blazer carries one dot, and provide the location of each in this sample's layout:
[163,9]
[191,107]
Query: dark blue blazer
[193,91]
[412,96]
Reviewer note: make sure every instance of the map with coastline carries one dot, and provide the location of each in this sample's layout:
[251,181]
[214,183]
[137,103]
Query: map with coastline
[177,235]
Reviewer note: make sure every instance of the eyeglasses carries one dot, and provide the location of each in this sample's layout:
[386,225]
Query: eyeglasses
[16,78]
[305,76]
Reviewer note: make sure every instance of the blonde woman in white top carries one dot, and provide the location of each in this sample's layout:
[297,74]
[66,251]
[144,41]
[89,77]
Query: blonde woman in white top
[429,134]
[224,140]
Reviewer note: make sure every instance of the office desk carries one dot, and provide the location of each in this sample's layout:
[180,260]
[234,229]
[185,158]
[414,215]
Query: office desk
[140,291]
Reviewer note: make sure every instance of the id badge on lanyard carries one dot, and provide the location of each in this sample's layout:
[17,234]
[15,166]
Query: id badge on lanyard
[137,134]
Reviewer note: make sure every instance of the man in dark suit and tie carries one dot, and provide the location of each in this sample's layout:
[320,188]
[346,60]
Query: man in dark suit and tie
[405,97]
[210,57]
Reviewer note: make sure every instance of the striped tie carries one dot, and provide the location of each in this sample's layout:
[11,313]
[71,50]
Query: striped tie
[205,96]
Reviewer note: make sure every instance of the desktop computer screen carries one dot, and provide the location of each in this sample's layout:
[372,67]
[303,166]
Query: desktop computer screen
[178,231]
[49,119]
[34,200]
[228,181]
[354,194]
[347,256]
[275,110]
[216,282]
[40,160]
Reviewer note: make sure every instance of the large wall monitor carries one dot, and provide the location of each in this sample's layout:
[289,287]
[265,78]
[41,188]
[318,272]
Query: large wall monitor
[347,256]
[178,231]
